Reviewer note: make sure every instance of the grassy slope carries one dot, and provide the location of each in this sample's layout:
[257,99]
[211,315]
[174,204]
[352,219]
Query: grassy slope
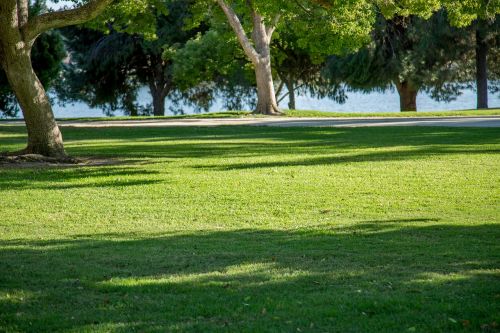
[244,229]
[456,113]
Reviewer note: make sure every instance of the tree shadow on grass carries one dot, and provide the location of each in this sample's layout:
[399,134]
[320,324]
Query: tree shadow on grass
[388,276]
[281,147]
[359,137]
[322,145]
[76,177]
[379,156]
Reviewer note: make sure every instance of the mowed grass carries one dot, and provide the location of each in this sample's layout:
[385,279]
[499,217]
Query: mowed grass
[255,229]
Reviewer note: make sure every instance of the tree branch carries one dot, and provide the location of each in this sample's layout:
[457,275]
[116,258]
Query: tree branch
[53,20]
[280,87]
[324,3]
[235,23]
[22,13]
[272,27]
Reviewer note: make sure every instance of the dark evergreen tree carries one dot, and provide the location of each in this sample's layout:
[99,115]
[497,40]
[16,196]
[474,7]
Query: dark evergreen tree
[410,54]
[107,70]
[487,42]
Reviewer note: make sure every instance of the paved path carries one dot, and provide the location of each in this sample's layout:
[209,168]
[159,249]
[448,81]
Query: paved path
[484,121]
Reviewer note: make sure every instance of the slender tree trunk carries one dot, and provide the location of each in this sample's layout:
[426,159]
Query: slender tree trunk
[407,96]
[291,94]
[266,95]
[44,136]
[481,69]
[129,104]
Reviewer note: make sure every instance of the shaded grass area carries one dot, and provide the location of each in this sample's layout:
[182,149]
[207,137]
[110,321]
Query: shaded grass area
[250,229]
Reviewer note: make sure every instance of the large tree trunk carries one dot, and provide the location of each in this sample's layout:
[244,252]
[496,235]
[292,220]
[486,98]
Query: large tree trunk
[44,136]
[481,69]
[291,94]
[18,32]
[407,96]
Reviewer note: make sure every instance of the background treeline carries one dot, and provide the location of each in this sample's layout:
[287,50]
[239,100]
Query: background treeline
[195,59]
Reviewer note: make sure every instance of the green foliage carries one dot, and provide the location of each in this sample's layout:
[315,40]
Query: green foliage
[109,69]
[214,62]
[96,74]
[403,8]
[463,12]
[130,16]
[429,54]
[343,29]
[299,69]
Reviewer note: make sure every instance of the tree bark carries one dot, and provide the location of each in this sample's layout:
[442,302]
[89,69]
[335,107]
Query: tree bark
[481,69]
[407,96]
[266,96]
[18,32]
[160,84]
[291,94]
[44,136]
[158,101]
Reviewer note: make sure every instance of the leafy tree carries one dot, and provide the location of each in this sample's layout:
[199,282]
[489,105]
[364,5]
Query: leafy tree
[216,60]
[345,28]
[409,53]
[93,74]
[108,69]
[215,66]
[300,71]
[487,40]
[18,33]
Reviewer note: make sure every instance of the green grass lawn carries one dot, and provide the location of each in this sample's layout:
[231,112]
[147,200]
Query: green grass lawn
[255,229]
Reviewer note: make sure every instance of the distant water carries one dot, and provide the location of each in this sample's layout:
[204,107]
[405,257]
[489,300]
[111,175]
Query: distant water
[356,102]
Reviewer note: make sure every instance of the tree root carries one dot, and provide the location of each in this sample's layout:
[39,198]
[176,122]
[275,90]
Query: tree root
[13,158]
[274,112]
